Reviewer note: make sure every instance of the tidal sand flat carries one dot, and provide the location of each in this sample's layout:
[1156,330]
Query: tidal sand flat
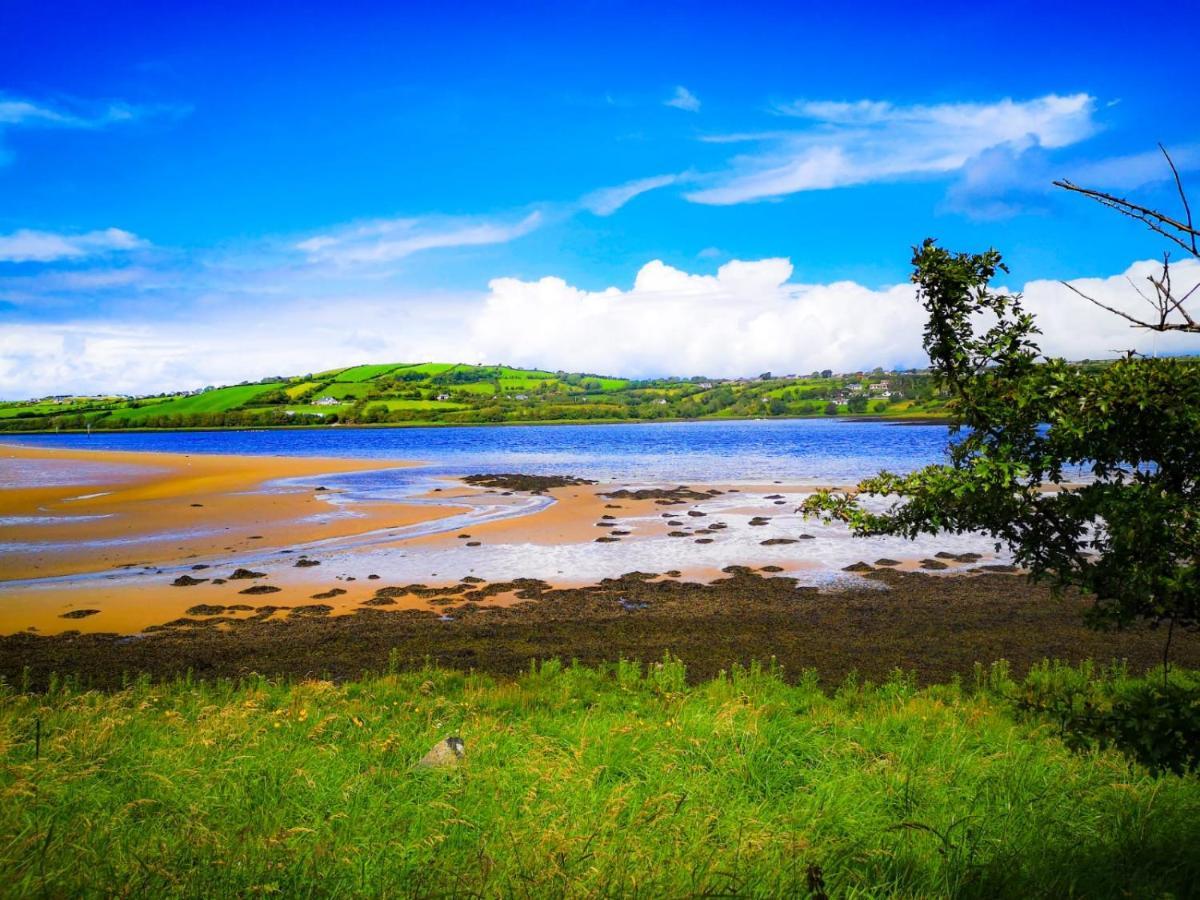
[164,561]
[122,541]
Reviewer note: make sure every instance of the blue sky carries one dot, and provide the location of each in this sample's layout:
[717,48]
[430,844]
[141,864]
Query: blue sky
[302,185]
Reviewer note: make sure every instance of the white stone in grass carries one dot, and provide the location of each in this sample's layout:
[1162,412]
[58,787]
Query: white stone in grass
[444,753]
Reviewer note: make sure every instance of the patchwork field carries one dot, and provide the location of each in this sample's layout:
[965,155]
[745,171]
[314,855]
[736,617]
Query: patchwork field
[399,393]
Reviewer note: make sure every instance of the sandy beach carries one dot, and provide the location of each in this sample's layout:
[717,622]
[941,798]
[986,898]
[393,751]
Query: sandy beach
[124,542]
[165,562]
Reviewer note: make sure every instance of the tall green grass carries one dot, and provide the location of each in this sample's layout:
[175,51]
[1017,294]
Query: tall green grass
[577,781]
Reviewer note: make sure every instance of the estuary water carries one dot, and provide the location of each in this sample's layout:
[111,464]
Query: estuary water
[796,451]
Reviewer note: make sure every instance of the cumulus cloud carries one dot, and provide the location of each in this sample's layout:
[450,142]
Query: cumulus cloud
[683,99]
[387,240]
[607,201]
[852,143]
[748,317]
[27,245]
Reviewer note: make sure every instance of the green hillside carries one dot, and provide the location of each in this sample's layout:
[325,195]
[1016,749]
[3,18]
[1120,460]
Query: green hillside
[449,393]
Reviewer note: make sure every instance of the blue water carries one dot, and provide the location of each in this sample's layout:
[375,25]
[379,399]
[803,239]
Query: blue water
[792,450]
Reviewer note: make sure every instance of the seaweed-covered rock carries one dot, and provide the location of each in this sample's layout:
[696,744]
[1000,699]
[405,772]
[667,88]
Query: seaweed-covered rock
[512,481]
[329,594]
[187,581]
[261,589]
[858,567]
[79,613]
[243,574]
[673,495]
[312,609]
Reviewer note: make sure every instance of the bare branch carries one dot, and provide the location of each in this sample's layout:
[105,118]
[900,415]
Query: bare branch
[1187,209]
[1137,323]
[1154,220]
[1168,309]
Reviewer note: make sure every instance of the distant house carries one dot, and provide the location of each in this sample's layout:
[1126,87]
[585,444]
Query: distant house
[443,396]
[520,396]
[326,401]
[879,387]
[705,385]
[661,401]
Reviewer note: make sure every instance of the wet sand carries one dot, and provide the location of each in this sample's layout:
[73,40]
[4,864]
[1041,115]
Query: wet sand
[139,540]
[166,518]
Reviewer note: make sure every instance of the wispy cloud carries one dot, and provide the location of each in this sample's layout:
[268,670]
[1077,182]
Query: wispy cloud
[27,245]
[851,143]
[20,112]
[27,112]
[683,99]
[606,201]
[1010,179]
[388,240]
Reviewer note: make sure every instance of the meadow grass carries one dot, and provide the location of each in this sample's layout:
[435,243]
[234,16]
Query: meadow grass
[219,400]
[366,372]
[577,781]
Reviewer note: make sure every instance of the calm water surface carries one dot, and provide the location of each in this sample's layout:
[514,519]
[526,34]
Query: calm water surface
[792,450]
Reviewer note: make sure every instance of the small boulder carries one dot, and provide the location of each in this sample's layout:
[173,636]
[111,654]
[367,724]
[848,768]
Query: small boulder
[444,753]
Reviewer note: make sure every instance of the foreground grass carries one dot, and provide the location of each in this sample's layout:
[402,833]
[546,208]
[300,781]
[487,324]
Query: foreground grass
[578,781]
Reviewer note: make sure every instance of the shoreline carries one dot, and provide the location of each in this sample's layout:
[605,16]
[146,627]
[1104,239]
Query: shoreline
[174,532]
[892,420]
[899,622]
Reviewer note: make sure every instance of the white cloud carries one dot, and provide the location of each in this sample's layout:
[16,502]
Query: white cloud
[26,245]
[870,141]
[17,112]
[27,112]
[683,99]
[387,240]
[607,201]
[748,318]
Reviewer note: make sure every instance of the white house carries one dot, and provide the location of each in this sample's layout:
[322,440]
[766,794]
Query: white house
[326,401]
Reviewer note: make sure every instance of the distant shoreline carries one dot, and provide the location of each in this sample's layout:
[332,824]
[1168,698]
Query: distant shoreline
[891,420]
